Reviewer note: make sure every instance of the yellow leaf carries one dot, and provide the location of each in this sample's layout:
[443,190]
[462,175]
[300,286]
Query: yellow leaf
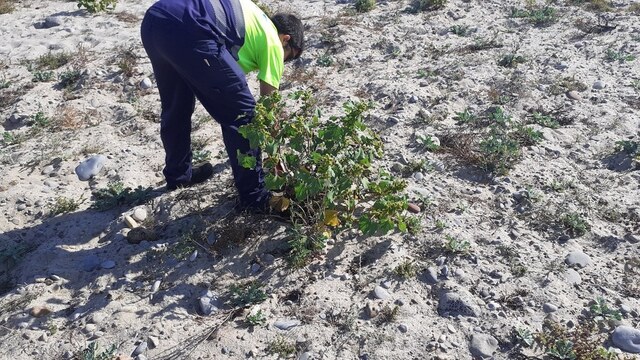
[279,203]
[331,218]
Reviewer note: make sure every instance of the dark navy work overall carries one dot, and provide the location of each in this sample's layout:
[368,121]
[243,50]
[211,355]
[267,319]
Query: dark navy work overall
[192,45]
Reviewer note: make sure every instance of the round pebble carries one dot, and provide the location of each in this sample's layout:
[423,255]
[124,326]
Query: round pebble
[549,308]
[574,95]
[90,167]
[599,85]
[146,84]
[139,214]
[577,258]
[381,293]
[108,264]
[627,338]
[418,176]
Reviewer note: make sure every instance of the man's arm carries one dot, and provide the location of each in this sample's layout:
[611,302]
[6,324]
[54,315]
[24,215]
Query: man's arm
[266,89]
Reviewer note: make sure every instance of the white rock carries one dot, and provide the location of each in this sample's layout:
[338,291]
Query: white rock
[286,324]
[194,256]
[381,293]
[90,167]
[483,346]
[139,214]
[577,258]
[156,286]
[146,84]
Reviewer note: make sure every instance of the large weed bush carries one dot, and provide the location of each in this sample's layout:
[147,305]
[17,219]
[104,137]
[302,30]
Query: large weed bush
[321,170]
[95,6]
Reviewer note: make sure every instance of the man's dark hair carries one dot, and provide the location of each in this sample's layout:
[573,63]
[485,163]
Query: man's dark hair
[289,24]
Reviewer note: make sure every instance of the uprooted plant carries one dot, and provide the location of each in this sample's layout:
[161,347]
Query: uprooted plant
[321,171]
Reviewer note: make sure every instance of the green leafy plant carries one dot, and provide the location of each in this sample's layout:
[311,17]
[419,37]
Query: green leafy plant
[539,16]
[545,120]
[51,61]
[116,194]
[563,350]
[9,138]
[364,5]
[405,270]
[600,311]
[95,6]
[321,170]
[247,294]
[126,60]
[455,246]
[574,224]
[281,347]
[64,205]
[612,55]
[630,147]
[256,319]
[428,5]
[460,30]
[325,60]
[428,142]
[201,156]
[43,76]
[91,353]
[466,117]
[525,337]
[511,60]
[70,79]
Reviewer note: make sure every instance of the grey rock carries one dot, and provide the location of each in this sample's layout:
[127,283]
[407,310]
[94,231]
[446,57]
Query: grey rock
[627,338]
[51,21]
[156,286]
[47,170]
[212,239]
[456,303]
[632,238]
[599,85]
[146,84]
[286,324]
[418,176]
[403,328]
[381,293]
[153,342]
[549,308]
[577,258]
[141,357]
[268,259]
[43,337]
[431,275]
[108,264]
[483,346]
[572,277]
[305,355]
[386,284]
[50,183]
[574,95]
[90,167]
[193,256]
[208,305]
[142,347]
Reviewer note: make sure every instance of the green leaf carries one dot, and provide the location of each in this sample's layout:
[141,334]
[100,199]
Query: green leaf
[246,161]
[273,182]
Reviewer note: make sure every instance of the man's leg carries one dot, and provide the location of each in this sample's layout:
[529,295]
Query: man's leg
[178,102]
[221,87]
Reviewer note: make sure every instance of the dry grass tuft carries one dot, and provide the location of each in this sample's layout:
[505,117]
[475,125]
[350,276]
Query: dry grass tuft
[7,6]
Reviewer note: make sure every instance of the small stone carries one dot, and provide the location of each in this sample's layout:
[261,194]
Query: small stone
[146,84]
[40,311]
[371,310]
[142,347]
[139,214]
[268,259]
[627,339]
[549,308]
[286,324]
[90,167]
[381,293]
[193,256]
[431,275]
[632,238]
[156,286]
[207,305]
[130,222]
[574,95]
[51,21]
[212,239]
[153,342]
[577,258]
[457,303]
[255,268]
[451,329]
[141,357]
[418,176]
[108,264]
[305,356]
[482,345]
[599,85]
[493,306]
[47,170]
[403,328]
[572,277]
[413,208]
[386,284]
[43,337]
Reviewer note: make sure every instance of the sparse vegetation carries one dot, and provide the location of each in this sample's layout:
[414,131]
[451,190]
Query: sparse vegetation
[92,352]
[51,61]
[116,194]
[95,6]
[281,347]
[428,5]
[454,246]
[246,294]
[574,224]
[256,319]
[620,56]
[537,15]
[64,205]
[126,60]
[511,60]
[405,270]
[364,5]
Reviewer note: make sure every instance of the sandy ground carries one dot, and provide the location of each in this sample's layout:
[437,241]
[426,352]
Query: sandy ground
[73,279]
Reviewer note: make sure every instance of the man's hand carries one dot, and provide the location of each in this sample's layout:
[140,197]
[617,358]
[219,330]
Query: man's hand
[266,89]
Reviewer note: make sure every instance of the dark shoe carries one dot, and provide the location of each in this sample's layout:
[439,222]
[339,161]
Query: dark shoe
[199,174]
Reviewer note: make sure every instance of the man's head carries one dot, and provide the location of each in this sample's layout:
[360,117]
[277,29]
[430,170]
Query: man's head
[291,33]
